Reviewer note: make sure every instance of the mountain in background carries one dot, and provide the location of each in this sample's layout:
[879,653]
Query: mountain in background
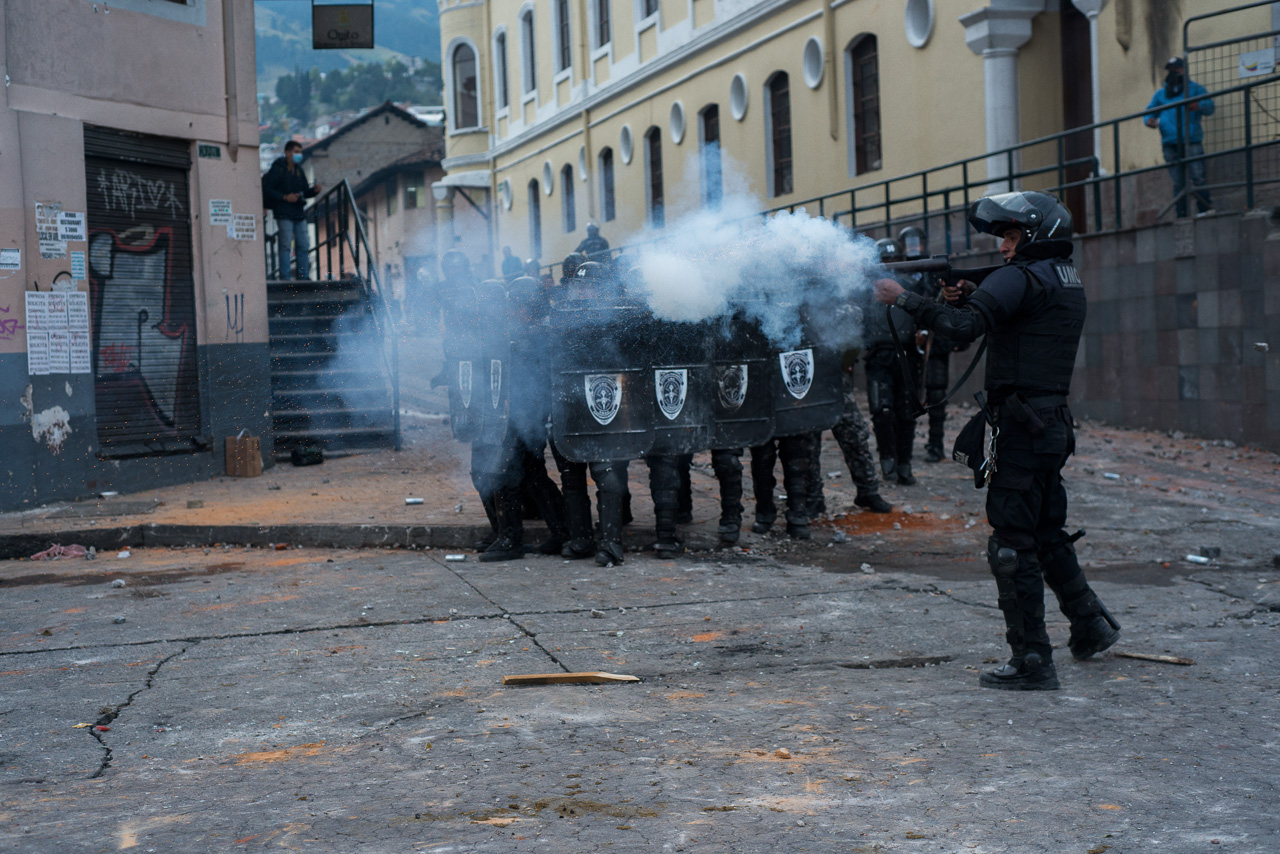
[401,28]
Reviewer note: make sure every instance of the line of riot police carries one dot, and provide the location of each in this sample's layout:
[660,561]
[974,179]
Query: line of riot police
[589,367]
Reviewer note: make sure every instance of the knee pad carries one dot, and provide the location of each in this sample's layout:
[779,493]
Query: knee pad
[1002,559]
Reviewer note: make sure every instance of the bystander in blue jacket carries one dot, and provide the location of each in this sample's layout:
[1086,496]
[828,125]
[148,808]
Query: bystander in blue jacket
[1187,145]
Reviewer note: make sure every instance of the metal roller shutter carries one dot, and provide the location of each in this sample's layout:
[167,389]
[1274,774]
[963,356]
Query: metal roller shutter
[141,293]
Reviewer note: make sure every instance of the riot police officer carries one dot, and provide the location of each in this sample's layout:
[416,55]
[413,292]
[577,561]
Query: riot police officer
[1033,311]
[594,246]
[937,347]
[854,438]
[888,398]
[519,468]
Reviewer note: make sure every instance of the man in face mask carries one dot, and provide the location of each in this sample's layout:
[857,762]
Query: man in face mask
[1181,134]
[285,190]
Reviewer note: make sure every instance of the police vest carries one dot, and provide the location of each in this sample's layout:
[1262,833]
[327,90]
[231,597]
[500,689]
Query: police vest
[1035,351]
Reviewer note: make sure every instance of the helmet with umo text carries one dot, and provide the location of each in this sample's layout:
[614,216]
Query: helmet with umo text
[1039,216]
[912,240]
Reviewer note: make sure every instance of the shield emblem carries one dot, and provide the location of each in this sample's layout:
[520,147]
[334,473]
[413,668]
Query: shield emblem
[604,396]
[732,382]
[495,381]
[464,383]
[797,371]
[671,386]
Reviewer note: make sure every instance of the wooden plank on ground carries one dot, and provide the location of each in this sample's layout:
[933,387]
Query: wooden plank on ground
[567,678]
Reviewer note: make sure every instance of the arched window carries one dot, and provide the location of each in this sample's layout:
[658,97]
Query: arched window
[560,22]
[606,184]
[466,95]
[862,68]
[653,174]
[535,219]
[568,207]
[709,151]
[528,62]
[500,70]
[777,94]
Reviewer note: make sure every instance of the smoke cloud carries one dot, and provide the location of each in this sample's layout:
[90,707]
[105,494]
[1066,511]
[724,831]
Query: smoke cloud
[781,271]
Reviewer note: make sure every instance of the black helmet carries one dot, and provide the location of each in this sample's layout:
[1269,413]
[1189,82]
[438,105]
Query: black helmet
[592,229]
[572,261]
[1039,216]
[592,270]
[454,264]
[912,240]
[528,298]
[889,250]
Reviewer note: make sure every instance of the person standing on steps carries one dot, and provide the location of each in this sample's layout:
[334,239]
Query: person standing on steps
[285,191]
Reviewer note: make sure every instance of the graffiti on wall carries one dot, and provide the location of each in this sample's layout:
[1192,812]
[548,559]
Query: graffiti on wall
[127,192]
[9,326]
[235,317]
[143,336]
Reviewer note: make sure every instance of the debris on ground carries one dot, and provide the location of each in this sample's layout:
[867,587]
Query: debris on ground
[124,554]
[568,678]
[59,552]
[119,582]
[782,753]
[1163,659]
[455,557]
[1200,559]
[413,501]
[596,614]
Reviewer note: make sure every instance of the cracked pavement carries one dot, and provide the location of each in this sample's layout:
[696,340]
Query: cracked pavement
[352,701]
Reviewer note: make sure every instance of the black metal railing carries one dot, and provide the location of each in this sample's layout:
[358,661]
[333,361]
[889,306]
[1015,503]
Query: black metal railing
[340,252]
[937,198]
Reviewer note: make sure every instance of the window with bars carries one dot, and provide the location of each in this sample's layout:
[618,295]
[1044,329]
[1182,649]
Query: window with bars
[865,88]
[564,47]
[466,101]
[779,111]
[568,203]
[653,166]
[712,175]
[606,184]
[500,70]
[603,35]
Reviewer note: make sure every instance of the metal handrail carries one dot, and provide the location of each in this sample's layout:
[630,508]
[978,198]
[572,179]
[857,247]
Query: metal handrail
[955,197]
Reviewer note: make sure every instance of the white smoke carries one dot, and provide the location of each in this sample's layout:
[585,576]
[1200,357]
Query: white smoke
[710,263]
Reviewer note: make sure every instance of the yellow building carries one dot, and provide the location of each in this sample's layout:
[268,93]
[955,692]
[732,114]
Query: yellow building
[629,113]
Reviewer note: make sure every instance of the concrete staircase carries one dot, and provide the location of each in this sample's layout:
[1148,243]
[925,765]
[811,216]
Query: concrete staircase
[330,382]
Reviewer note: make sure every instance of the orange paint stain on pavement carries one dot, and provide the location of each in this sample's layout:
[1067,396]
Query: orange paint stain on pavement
[262,600]
[284,754]
[707,636]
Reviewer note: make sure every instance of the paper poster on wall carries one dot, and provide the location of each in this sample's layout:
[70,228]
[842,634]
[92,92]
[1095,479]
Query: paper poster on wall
[10,259]
[37,333]
[78,329]
[220,212]
[71,226]
[51,244]
[243,227]
[52,248]
[78,270]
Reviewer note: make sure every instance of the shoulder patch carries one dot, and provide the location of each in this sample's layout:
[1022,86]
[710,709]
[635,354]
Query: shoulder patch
[1068,276]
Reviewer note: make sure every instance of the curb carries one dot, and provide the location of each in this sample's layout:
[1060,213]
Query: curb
[18,546]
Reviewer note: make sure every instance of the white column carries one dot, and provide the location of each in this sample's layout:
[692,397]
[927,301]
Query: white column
[1091,10]
[996,33]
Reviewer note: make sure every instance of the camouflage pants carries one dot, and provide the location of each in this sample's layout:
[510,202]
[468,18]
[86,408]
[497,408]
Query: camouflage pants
[854,437]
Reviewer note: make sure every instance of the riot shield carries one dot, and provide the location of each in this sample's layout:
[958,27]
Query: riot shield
[602,383]
[808,393]
[683,386]
[463,357]
[490,376]
[743,392]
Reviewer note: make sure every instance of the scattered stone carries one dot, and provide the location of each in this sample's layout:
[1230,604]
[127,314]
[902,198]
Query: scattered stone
[413,501]
[1110,475]
[839,537]
[597,615]
[897,526]
[1262,347]
[457,508]
[123,554]
[1211,551]
[118,620]
[867,568]
[119,582]
[782,753]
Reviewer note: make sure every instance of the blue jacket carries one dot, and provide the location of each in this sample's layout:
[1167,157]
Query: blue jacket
[1191,130]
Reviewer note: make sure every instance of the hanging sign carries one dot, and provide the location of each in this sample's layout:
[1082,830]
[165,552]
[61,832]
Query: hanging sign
[342,26]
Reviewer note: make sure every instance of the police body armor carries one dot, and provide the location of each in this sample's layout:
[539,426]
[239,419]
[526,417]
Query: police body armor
[683,387]
[808,392]
[1036,352]
[603,384]
[877,320]
[743,394]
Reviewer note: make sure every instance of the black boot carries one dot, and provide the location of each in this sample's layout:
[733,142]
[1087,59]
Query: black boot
[763,458]
[1020,595]
[1093,629]
[727,465]
[609,552]
[933,452]
[509,504]
[873,502]
[888,467]
[486,501]
[577,507]
[794,451]
[684,498]
[905,478]
[664,487]
[551,508]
